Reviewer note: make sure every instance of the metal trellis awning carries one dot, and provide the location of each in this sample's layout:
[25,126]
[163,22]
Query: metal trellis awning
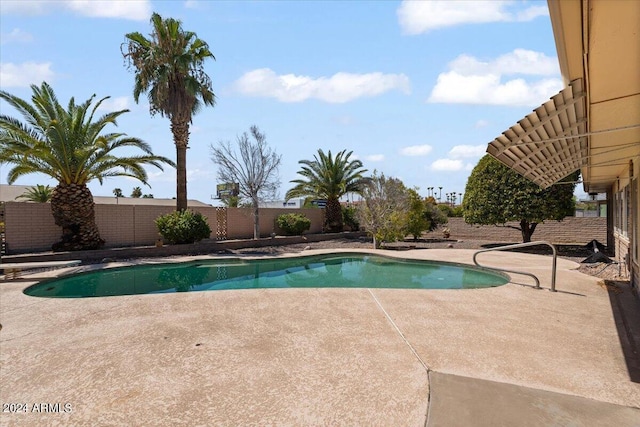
[551,142]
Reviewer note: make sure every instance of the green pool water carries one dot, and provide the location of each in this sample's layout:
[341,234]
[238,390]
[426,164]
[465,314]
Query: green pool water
[321,271]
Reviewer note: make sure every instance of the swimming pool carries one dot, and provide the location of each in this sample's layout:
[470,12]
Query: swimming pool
[346,270]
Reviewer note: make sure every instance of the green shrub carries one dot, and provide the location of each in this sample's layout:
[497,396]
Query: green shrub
[293,224]
[457,212]
[349,218]
[183,227]
[445,209]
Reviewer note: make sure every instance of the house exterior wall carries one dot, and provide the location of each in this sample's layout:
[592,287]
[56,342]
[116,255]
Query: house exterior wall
[626,227]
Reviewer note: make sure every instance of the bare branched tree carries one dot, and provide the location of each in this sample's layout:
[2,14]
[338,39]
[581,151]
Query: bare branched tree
[383,210]
[254,166]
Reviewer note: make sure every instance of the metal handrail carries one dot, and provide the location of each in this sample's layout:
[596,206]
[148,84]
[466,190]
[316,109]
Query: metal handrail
[523,245]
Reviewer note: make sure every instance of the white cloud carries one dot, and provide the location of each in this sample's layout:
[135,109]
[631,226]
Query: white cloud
[30,8]
[136,10]
[466,151]
[471,81]
[375,157]
[339,88]
[158,176]
[520,61]
[416,17]
[127,9]
[25,74]
[416,150]
[532,13]
[481,123]
[16,36]
[457,89]
[447,165]
[200,174]
[115,104]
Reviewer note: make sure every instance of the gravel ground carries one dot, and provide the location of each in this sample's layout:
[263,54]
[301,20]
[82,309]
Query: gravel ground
[575,253]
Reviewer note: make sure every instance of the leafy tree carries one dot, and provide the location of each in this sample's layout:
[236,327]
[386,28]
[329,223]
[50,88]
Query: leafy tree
[445,209]
[383,210]
[147,196]
[349,217]
[38,194]
[433,215]
[495,194]
[69,145]
[329,178]
[118,192]
[254,167]
[416,218]
[457,212]
[169,68]
[423,215]
[136,192]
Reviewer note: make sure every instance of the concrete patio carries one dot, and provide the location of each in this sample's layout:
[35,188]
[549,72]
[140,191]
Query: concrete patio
[509,355]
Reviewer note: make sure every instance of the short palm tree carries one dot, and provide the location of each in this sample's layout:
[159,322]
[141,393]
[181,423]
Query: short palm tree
[169,68]
[69,145]
[330,178]
[37,194]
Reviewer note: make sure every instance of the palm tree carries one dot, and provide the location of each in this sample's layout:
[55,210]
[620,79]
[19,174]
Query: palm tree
[37,194]
[136,192]
[169,69]
[69,145]
[330,178]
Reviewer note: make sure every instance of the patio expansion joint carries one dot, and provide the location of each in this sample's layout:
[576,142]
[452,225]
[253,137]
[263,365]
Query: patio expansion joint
[413,351]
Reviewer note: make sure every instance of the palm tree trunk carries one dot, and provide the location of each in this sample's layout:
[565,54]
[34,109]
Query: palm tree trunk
[334,215]
[180,130]
[73,210]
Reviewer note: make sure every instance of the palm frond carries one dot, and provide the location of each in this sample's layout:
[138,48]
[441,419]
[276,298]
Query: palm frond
[68,144]
[328,177]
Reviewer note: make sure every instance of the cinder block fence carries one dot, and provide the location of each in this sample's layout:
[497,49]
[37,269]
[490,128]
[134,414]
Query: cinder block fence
[571,230]
[29,227]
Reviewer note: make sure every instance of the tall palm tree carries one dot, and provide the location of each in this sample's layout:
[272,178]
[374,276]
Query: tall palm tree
[136,192]
[330,178]
[169,68]
[69,145]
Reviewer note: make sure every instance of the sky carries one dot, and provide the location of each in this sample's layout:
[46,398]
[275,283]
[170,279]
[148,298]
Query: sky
[415,89]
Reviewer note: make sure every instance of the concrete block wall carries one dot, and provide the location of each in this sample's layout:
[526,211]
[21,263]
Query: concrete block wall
[240,221]
[571,230]
[30,226]
[114,223]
